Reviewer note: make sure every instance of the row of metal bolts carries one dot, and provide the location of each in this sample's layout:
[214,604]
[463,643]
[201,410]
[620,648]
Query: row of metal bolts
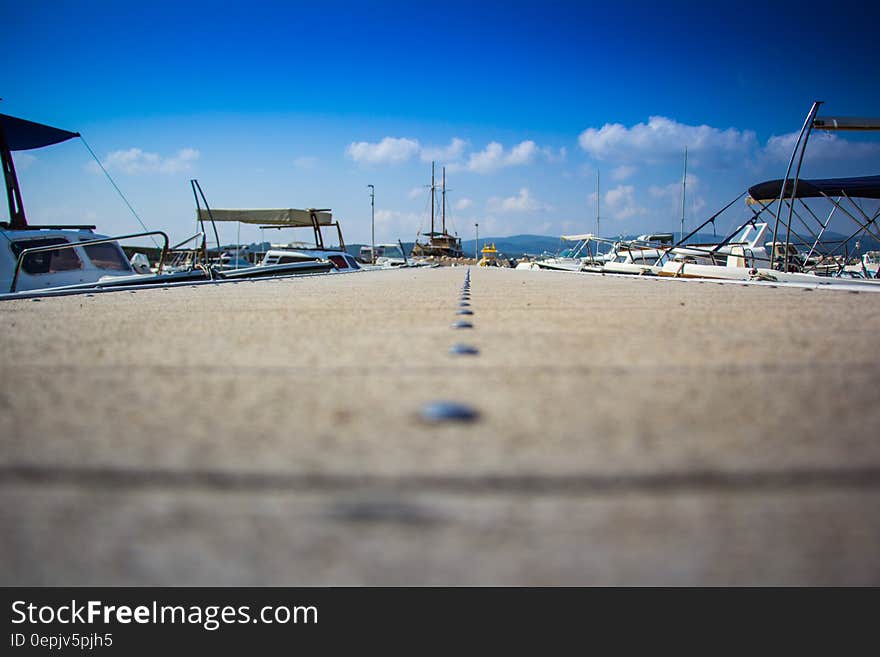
[450,411]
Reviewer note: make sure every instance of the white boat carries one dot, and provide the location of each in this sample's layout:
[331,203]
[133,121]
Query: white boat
[871,264]
[387,255]
[571,258]
[642,256]
[390,255]
[732,261]
[791,252]
[29,261]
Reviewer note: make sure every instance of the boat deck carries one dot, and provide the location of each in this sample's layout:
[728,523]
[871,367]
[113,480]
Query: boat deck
[630,431]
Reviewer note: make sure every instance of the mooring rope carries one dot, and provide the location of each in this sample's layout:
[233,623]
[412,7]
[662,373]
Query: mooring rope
[118,191]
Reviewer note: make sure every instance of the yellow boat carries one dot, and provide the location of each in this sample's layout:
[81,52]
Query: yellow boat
[490,257]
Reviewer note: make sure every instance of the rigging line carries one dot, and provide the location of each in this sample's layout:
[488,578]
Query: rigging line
[118,191]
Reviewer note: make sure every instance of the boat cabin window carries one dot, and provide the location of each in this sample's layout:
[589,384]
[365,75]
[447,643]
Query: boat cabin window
[46,262]
[339,262]
[107,256]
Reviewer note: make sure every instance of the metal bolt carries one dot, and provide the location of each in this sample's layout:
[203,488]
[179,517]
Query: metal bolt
[463,349]
[462,325]
[464,311]
[446,411]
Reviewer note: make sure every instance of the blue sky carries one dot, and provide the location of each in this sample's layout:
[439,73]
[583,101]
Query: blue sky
[295,105]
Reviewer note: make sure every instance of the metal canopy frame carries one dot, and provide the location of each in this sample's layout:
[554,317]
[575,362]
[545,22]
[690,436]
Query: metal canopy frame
[316,227]
[29,135]
[789,207]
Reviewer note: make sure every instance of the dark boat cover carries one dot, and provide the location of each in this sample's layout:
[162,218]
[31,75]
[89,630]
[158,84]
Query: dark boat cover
[24,135]
[863,187]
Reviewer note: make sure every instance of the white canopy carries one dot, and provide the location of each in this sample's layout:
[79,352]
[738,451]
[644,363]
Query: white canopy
[287,217]
[578,238]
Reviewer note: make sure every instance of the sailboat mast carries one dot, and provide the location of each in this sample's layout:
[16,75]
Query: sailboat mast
[444,200]
[683,189]
[432,201]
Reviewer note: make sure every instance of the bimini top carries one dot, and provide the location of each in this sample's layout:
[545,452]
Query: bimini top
[577,238]
[285,217]
[22,135]
[864,187]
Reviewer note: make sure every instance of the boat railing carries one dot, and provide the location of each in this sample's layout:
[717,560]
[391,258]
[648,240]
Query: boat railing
[200,234]
[714,252]
[191,257]
[70,245]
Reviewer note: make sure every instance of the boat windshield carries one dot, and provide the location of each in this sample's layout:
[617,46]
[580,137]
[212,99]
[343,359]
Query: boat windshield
[46,262]
[389,252]
[107,256]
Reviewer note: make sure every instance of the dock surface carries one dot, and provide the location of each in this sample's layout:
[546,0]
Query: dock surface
[630,431]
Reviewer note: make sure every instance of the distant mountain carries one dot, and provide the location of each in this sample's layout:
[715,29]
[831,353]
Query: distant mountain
[516,246]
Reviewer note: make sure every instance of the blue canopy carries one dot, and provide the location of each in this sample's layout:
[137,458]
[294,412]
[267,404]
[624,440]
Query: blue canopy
[863,187]
[22,135]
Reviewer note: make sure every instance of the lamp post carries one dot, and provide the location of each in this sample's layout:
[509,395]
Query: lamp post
[477,242]
[372,224]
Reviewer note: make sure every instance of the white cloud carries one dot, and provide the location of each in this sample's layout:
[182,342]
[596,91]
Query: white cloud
[673,190]
[463,204]
[494,156]
[395,150]
[489,159]
[671,194]
[662,139]
[417,192]
[522,153]
[391,150]
[554,156]
[620,203]
[392,225]
[623,172]
[449,153]
[821,146]
[386,216]
[522,202]
[135,161]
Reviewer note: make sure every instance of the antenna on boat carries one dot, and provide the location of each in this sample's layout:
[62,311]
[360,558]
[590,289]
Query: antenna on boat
[684,187]
[372,224]
[598,232]
[444,200]
[432,199]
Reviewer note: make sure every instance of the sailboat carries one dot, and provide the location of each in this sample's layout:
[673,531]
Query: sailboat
[438,243]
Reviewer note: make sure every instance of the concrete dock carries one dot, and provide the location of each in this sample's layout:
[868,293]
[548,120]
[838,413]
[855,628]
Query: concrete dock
[630,431]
